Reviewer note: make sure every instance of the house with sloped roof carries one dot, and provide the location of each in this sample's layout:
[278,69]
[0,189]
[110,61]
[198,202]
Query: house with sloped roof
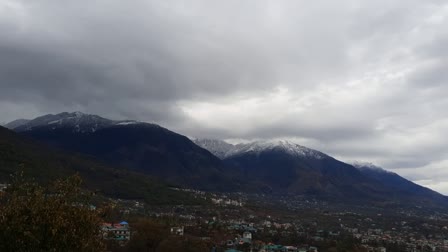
[116,231]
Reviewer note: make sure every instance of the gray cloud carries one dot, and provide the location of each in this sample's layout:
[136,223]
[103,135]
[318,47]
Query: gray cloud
[358,79]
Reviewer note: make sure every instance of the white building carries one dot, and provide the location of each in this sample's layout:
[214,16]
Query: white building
[178,231]
[247,235]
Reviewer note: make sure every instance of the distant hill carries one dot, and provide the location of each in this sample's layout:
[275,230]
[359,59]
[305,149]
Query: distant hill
[141,147]
[45,164]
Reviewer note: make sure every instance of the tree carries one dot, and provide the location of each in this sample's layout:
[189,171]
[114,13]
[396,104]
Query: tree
[174,244]
[147,236]
[154,236]
[57,217]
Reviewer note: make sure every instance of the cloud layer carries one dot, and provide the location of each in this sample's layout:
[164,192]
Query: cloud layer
[360,80]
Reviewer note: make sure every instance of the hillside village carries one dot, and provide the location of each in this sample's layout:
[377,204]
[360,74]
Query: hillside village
[233,223]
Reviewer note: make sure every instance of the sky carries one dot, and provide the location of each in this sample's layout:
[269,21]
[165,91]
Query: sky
[359,80]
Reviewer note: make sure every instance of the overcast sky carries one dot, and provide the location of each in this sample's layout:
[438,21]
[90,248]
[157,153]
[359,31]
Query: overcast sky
[359,80]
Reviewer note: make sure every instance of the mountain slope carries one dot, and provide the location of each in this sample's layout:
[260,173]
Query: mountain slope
[218,148]
[400,185]
[76,122]
[142,147]
[282,166]
[45,164]
[286,167]
[16,123]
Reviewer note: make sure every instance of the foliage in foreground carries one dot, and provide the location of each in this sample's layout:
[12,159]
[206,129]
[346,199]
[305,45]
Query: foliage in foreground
[57,217]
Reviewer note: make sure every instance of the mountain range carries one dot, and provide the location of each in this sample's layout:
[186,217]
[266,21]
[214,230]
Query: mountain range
[141,147]
[44,163]
[275,167]
[283,166]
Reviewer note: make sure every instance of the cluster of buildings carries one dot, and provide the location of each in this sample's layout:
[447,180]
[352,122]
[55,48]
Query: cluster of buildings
[246,239]
[228,202]
[247,231]
[222,199]
[231,223]
[405,239]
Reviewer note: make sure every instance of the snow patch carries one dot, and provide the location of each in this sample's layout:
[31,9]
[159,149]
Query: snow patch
[127,123]
[54,122]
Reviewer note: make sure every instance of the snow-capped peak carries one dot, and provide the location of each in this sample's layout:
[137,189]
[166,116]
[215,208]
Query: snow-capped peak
[282,145]
[224,150]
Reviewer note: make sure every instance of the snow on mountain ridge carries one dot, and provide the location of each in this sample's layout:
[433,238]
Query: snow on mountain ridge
[77,121]
[224,150]
[218,148]
[284,145]
[127,122]
[368,165]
